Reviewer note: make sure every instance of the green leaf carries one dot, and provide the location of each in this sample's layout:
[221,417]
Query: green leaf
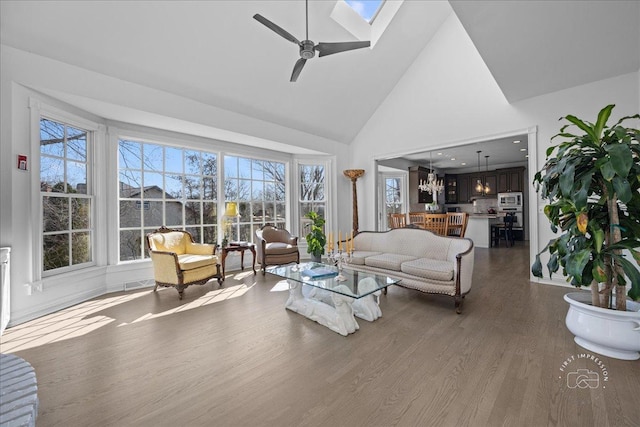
[621,159]
[633,274]
[567,180]
[598,237]
[623,189]
[584,127]
[598,271]
[576,264]
[552,265]
[607,170]
[603,116]
[536,268]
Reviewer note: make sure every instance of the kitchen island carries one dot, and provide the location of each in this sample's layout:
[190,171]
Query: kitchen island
[479,228]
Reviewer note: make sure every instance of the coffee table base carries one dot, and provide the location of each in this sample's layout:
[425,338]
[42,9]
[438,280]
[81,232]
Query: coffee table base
[338,317]
[333,310]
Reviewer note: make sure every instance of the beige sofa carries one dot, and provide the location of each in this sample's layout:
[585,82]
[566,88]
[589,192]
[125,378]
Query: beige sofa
[420,259]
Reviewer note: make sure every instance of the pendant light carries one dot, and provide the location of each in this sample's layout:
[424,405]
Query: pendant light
[479,186]
[487,189]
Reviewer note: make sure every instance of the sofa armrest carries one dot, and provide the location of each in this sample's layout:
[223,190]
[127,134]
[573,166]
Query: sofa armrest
[464,270]
[200,248]
[166,268]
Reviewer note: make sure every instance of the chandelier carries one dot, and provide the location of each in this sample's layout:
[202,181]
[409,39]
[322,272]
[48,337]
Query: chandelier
[431,185]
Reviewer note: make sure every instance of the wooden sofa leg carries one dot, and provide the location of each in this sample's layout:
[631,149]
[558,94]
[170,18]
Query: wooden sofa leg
[459,300]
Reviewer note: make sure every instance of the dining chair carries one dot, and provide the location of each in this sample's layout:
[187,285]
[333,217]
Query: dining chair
[436,223]
[417,219]
[457,223]
[397,220]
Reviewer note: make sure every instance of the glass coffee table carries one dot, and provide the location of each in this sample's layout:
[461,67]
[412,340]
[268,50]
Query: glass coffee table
[316,292]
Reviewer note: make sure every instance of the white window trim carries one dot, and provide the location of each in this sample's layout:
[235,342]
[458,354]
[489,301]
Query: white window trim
[330,186]
[117,131]
[39,109]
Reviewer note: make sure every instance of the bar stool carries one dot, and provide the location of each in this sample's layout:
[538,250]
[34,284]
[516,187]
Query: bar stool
[503,231]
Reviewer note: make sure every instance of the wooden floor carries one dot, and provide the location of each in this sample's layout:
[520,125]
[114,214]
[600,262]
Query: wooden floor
[233,356]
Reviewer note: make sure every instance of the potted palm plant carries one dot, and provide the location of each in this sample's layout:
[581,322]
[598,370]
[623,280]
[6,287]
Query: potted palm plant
[591,181]
[316,239]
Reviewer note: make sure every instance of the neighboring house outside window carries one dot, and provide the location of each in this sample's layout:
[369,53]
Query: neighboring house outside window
[66,196]
[165,185]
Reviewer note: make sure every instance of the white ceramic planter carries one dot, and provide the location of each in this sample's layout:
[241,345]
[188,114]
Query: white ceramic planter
[608,332]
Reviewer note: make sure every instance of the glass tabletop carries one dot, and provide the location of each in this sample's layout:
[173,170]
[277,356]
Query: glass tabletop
[357,284]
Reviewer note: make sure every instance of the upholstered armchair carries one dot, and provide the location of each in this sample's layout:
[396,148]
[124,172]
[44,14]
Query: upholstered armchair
[276,246]
[179,262]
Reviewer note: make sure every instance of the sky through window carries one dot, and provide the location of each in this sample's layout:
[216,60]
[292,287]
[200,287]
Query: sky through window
[366,8]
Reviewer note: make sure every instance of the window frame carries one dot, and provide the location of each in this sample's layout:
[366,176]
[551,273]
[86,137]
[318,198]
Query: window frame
[184,200]
[254,225]
[329,185]
[95,131]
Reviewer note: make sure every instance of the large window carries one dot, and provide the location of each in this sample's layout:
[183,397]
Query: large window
[163,185]
[312,196]
[258,188]
[66,196]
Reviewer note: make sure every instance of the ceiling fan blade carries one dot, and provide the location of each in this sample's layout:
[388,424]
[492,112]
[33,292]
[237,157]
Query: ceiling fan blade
[275,28]
[330,48]
[297,68]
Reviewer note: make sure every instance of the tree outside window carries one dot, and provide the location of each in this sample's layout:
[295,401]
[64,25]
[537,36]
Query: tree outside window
[66,196]
[312,193]
[258,187]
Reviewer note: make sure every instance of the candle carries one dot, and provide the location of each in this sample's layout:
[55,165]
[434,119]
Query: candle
[351,241]
[339,240]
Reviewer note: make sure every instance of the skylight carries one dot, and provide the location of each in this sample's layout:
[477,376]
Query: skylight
[367,9]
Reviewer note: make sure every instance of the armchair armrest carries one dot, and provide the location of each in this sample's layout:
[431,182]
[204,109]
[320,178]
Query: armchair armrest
[165,266]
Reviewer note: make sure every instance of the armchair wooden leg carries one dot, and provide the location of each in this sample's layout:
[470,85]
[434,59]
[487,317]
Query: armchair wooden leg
[458,301]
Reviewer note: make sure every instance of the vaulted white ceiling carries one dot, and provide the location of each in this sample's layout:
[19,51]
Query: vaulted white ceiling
[215,53]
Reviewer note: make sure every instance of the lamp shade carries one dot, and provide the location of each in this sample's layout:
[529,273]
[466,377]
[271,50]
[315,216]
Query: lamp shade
[231,209]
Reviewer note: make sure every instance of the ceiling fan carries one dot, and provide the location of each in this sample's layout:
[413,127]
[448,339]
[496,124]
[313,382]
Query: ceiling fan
[307,47]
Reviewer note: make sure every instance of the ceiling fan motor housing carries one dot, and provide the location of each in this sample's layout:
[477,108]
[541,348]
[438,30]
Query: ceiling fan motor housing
[306,49]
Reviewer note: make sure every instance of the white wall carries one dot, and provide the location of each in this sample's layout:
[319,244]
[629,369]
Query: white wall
[24,76]
[450,98]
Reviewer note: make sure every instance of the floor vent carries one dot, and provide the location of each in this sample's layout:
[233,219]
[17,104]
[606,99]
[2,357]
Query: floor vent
[128,286]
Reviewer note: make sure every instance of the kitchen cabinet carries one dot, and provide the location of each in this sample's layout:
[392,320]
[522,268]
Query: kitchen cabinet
[464,191]
[491,181]
[510,180]
[451,189]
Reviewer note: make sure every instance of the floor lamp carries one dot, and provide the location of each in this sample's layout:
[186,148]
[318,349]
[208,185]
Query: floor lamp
[353,175]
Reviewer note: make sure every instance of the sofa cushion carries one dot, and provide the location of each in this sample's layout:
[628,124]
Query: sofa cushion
[429,269]
[358,256]
[387,261]
[191,262]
